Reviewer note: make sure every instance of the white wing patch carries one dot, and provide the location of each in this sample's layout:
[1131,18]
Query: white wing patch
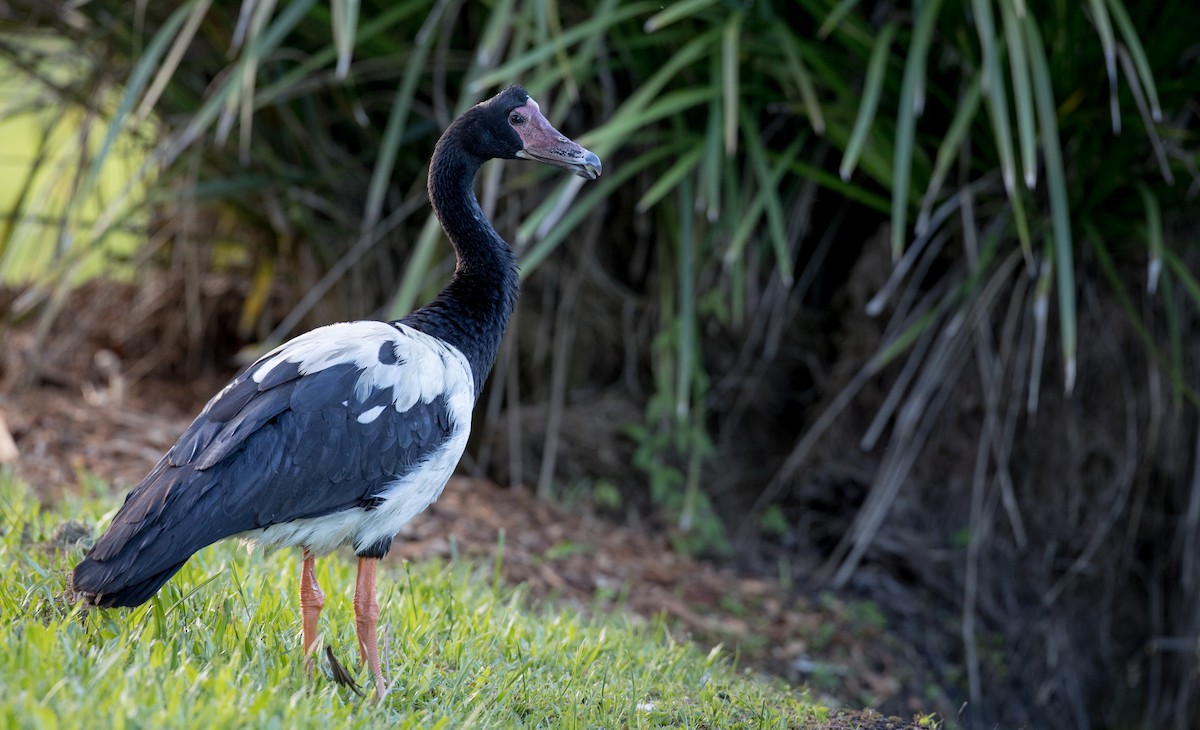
[424,368]
[369,415]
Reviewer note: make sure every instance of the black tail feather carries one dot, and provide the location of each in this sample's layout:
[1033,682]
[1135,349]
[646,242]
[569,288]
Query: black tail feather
[163,522]
[105,586]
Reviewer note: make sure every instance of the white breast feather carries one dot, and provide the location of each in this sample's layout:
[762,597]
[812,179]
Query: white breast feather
[426,368]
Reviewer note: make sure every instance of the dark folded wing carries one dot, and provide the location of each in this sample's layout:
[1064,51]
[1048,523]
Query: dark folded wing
[323,424]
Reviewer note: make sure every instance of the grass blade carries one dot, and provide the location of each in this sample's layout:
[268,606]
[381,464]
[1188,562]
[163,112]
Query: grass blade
[1154,238]
[169,65]
[345,25]
[631,118]
[286,84]
[906,121]
[997,105]
[985,25]
[948,151]
[766,196]
[671,178]
[134,85]
[850,191]
[389,146]
[1104,258]
[686,320]
[597,192]
[1139,98]
[1018,66]
[554,211]
[835,17]
[1109,44]
[802,77]
[1128,34]
[731,40]
[1059,205]
[710,170]
[415,270]
[1041,318]
[768,181]
[244,77]
[872,88]
[676,12]
[596,26]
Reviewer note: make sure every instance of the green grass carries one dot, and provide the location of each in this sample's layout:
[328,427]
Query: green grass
[219,646]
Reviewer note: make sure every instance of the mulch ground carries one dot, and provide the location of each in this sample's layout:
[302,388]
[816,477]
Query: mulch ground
[57,436]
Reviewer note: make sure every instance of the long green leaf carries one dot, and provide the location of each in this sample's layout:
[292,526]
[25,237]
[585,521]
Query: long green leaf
[597,25]
[768,181]
[802,77]
[198,123]
[835,17]
[1018,65]
[1139,98]
[948,149]
[136,84]
[686,320]
[906,121]
[1060,213]
[672,177]
[985,26]
[345,25]
[676,12]
[710,170]
[1104,258]
[1109,44]
[1134,44]
[632,115]
[256,48]
[1041,320]
[1154,238]
[730,44]
[630,118]
[766,195]
[499,25]
[997,105]
[588,202]
[848,190]
[415,270]
[872,88]
[389,146]
[166,70]
[287,83]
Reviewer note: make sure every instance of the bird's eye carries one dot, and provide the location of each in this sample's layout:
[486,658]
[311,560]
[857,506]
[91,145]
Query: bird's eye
[516,119]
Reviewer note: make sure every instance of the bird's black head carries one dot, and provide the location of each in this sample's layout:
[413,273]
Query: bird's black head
[510,125]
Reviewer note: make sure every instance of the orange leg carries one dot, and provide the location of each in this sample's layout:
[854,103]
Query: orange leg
[366,618]
[312,600]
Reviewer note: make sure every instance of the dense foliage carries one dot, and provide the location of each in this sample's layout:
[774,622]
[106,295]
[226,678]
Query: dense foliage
[884,266]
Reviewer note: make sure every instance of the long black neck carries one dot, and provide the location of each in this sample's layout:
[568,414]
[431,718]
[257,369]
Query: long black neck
[472,312]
